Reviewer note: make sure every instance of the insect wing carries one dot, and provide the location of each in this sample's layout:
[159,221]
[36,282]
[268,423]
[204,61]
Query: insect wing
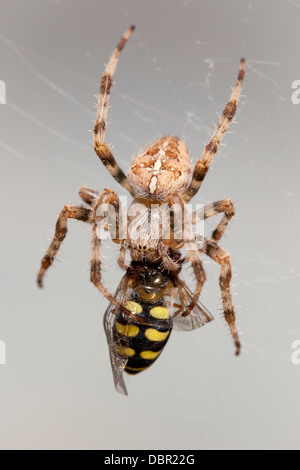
[118,362]
[198,317]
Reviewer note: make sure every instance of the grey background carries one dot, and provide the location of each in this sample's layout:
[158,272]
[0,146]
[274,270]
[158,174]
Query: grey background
[56,390]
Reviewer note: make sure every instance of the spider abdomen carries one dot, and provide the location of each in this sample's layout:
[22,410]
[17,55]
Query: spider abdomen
[161,169]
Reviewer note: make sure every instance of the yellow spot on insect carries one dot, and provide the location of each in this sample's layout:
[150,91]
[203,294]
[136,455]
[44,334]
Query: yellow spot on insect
[159,312]
[155,335]
[127,330]
[129,352]
[133,307]
[123,351]
[149,354]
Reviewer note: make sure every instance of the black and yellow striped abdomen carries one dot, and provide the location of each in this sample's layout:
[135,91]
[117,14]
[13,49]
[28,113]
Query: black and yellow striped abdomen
[142,339]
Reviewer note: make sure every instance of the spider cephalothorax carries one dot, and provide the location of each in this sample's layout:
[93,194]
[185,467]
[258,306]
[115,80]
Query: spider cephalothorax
[159,178]
[162,169]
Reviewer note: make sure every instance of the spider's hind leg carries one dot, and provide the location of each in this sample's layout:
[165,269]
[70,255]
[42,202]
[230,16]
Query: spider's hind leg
[220,256]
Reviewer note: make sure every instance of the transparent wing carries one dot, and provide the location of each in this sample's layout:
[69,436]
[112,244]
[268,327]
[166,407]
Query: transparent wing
[198,317]
[118,362]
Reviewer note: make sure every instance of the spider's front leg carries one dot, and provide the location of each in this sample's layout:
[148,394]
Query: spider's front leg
[69,212]
[220,256]
[99,213]
[224,206]
[101,148]
[88,195]
[202,165]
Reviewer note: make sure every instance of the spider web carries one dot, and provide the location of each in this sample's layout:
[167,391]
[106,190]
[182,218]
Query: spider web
[190,123]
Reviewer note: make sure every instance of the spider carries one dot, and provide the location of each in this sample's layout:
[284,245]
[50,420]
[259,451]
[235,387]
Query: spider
[160,175]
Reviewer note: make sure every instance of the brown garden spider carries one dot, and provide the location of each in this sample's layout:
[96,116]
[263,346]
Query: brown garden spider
[160,175]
